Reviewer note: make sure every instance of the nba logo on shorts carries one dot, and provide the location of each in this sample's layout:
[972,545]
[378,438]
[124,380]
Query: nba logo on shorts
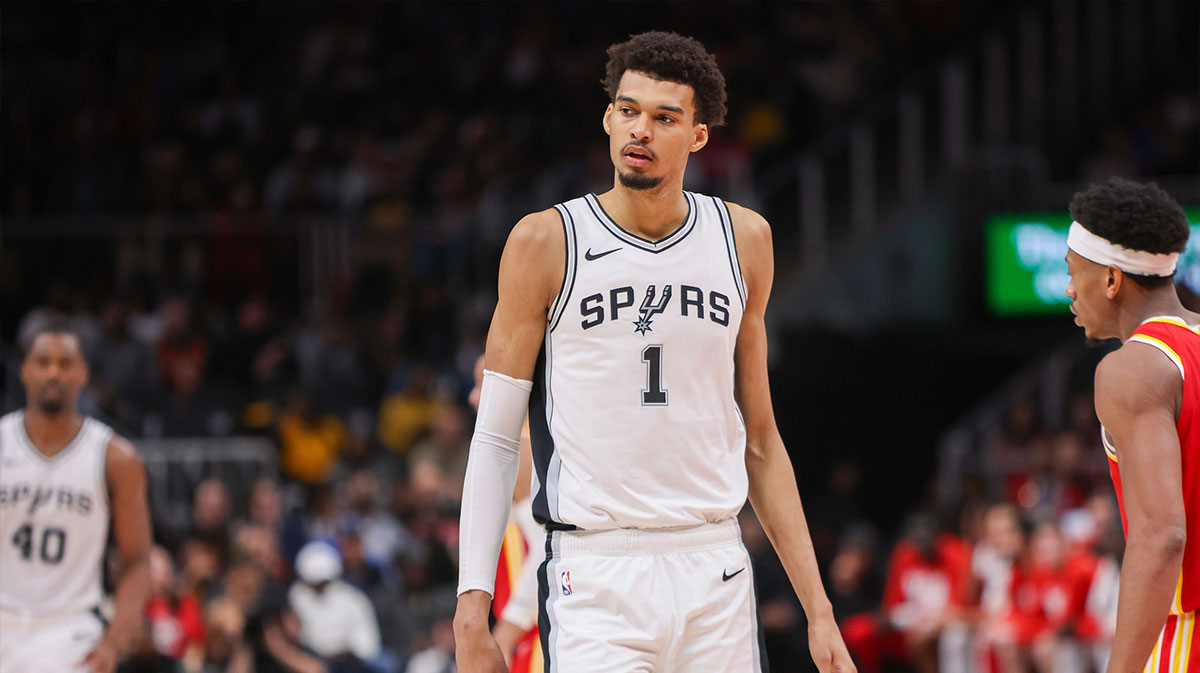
[565,582]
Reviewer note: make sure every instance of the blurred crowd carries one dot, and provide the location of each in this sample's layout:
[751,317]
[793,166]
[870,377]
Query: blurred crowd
[371,111]
[1019,575]
[412,125]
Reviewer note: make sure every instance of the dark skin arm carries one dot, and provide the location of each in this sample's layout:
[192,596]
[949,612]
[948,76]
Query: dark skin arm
[773,490]
[126,479]
[1138,397]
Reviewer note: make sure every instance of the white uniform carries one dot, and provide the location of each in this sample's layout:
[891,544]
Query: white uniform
[639,450]
[54,520]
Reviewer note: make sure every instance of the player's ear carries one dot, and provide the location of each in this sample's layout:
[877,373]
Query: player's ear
[1112,281]
[699,137]
[607,111]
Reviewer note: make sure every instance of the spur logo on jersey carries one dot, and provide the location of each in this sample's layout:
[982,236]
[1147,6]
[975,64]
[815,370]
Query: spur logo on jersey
[694,302]
[35,498]
[650,308]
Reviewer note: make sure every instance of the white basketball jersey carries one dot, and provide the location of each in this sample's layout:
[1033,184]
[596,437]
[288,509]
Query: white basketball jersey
[632,416]
[53,520]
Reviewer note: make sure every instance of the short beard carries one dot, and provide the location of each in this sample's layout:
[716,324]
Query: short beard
[638,182]
[51,407]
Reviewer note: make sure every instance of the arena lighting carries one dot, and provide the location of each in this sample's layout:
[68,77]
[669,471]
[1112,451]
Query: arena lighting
[1024,268]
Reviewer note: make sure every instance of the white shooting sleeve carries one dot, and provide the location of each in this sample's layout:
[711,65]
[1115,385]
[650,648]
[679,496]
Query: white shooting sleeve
[491,475]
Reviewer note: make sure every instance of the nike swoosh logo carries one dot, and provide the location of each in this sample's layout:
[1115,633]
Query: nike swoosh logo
[589,256]
[726,576]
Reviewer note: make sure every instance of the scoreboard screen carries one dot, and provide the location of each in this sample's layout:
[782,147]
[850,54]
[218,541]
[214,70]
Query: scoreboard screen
[1025,273]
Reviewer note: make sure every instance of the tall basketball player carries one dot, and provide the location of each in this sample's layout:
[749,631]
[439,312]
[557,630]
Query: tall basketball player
[63,479]
[1122,252]
[630,326]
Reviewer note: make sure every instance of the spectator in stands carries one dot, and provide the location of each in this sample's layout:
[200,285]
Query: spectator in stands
[382,535]
[1048,595]
[1007,459]
[320,519]
[409,410]
[924,590]
[309,440]
[265,506]
[176,619]
[445,449]
[337,621]
[124,371]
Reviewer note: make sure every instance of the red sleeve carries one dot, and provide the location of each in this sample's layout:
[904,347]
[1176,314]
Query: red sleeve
[893,590]
[191,620]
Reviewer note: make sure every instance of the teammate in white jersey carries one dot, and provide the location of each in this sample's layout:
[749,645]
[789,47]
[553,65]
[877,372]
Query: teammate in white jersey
[63,478]
[630,325]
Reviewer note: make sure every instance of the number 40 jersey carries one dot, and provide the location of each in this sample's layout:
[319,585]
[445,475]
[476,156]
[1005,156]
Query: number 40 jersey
[632,416]
[53,521]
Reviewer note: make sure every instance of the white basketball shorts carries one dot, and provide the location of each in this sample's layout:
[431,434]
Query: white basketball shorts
[649,601]
[48,644]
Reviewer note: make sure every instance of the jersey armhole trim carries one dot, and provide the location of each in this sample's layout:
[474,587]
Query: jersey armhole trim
[558,307]
[731,247]
[1163,347]
[108,435]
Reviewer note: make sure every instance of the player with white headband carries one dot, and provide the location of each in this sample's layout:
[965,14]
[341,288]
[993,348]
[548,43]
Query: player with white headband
[1122,252]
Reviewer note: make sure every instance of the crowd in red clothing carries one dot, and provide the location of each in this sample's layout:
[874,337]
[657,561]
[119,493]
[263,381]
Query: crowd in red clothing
[1025,583]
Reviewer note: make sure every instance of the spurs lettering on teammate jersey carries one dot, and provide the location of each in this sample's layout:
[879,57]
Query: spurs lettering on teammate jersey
[53,520]
[632,417]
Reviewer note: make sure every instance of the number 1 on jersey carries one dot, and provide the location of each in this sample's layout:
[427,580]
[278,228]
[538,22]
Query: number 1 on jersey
[653,394]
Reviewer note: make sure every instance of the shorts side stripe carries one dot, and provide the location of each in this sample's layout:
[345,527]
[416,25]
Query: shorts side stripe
[1152,662]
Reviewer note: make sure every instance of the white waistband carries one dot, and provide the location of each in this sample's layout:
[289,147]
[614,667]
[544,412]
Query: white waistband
[646,540]
[13,618]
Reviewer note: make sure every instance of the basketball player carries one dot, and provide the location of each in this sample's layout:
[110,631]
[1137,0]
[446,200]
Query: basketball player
[1122,251]
[630,326]
[63,478]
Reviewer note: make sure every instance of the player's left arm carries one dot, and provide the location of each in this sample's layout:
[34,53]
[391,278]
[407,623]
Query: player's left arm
[126,480]
[773,490]
[1138,397]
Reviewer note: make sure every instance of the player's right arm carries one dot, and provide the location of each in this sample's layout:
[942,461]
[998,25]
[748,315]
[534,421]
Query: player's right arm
[531,275]
[1138,395]
[125,478]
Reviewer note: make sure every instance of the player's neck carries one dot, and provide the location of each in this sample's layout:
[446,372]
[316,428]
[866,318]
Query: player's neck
[652,214]
[51,433]
[1159,302]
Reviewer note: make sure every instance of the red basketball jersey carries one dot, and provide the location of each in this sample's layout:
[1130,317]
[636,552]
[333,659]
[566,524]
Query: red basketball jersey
[1181,344]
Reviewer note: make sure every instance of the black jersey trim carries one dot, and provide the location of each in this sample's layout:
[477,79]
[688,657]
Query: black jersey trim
[541,441]
[571,237]
[731,248]
[672,239]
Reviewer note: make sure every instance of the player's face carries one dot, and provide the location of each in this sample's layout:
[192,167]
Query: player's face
[1090,296]
[651,129]
[54,372]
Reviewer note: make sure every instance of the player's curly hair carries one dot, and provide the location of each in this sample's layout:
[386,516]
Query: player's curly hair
[674,58]
[1135,216]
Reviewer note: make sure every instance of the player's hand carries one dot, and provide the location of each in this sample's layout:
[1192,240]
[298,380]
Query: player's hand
[478,653]
[475,650]
[507,636]
[828,650]
[103,659]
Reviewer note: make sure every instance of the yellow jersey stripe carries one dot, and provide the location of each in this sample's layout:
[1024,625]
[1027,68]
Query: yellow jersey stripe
[1170,321]
[536,661]
[1190,634]
[1167,350]
[514,554]
[1152,662]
